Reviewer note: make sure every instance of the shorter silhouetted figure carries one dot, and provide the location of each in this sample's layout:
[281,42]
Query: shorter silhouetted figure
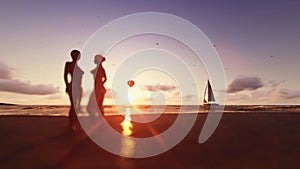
[100,79]
[73,77]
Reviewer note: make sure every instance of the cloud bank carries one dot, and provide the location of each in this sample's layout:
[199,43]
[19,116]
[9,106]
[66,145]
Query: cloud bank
[271,96]
[8,84]
[284,93]
[159,87]
[16,86]
[242,83]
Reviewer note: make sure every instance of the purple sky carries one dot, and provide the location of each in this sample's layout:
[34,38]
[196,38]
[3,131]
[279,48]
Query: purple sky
[258,42]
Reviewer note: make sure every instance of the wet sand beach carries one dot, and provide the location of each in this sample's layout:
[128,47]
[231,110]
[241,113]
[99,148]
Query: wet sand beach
[250,140]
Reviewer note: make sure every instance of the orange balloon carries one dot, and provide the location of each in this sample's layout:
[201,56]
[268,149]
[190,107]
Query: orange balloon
[130,83]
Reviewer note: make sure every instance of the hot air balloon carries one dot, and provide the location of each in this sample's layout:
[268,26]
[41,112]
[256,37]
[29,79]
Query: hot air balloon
[130,83]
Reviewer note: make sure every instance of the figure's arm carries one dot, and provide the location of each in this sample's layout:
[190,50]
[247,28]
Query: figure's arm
[66,72]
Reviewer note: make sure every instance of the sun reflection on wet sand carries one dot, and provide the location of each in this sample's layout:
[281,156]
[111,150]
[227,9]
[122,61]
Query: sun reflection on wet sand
[127,144]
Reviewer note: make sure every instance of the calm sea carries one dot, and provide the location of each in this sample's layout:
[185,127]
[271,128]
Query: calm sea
[52,110]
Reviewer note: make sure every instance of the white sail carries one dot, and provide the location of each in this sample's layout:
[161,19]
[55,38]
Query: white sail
[209,97]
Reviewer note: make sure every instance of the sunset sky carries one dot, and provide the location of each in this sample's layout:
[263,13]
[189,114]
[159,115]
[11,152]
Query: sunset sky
[258,43]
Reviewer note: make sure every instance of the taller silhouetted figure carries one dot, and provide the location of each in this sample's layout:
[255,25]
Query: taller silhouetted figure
[73,77]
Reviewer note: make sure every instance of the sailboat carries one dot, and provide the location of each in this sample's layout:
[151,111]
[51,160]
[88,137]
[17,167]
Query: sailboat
[209,98]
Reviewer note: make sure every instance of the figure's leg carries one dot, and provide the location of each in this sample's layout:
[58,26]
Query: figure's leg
[72,119]
[100,104]
[100,92]
[92,105]
[72,111]
[77,99]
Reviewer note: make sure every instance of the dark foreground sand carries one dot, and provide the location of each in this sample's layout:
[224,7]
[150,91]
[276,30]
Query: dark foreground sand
[242,141]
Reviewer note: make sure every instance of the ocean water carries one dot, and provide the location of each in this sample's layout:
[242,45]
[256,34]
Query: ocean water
[53,110]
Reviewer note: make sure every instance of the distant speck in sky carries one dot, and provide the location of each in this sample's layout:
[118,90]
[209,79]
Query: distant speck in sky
[157,43]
